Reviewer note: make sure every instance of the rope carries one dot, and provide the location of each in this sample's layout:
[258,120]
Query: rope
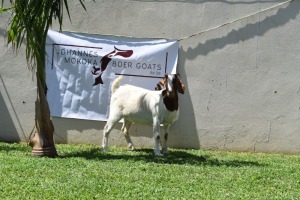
[236,20]
[201,32]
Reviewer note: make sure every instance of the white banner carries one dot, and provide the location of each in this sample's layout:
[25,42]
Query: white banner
[81,67]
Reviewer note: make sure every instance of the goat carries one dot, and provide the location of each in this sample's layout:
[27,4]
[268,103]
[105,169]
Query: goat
[141,106]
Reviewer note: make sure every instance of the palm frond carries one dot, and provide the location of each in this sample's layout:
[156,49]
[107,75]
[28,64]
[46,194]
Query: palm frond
[29,25]
[6,9]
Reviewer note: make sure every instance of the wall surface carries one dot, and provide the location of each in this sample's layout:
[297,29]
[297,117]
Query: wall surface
[239,60]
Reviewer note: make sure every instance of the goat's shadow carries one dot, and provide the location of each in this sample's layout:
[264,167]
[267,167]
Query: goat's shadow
[178,157]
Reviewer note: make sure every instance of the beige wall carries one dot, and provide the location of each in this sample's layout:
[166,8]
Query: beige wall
[240,63]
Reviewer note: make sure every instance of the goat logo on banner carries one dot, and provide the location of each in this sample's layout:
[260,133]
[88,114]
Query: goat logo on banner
[106,60]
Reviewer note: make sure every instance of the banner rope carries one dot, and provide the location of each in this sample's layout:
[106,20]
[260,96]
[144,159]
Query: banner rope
[201,32]
[236,20]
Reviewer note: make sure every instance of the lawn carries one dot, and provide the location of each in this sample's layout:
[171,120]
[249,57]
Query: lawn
[85,172]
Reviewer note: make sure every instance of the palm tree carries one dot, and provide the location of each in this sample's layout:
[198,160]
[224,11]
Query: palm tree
[29,25]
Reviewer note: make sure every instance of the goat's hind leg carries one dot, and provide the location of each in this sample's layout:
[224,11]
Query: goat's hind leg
[107,129]
[125,130]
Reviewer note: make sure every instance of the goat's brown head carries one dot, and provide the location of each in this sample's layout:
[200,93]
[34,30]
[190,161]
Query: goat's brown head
[172,82]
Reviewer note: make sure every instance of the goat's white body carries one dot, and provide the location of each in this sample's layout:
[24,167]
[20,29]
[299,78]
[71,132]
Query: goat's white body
[139,106]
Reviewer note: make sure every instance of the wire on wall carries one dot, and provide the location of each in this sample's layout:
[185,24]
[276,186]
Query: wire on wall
[236,20]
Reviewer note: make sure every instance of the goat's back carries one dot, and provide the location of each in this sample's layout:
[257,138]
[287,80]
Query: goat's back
[132,96]
[136,104]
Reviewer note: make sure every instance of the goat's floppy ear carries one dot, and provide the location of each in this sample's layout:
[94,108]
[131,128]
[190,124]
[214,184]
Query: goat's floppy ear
[182,86]
[161,84]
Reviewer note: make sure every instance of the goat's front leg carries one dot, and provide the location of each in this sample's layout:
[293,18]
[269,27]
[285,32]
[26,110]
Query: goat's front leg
[165,138]
[156,136]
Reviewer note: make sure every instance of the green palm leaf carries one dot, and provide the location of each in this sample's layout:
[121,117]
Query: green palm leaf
[29,26]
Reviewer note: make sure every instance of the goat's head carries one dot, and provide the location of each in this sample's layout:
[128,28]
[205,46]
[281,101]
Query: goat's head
[172,82]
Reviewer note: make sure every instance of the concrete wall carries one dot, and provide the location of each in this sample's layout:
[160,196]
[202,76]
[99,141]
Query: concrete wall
[239,59]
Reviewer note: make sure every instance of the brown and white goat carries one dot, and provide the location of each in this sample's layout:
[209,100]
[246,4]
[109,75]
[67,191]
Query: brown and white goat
[141,106]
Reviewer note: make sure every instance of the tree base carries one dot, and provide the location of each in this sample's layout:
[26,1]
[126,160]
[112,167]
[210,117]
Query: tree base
[42,145]
[47,152]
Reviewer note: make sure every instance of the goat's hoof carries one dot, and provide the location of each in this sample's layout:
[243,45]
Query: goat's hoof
[165,151]
[158,154]
[104,149]
[131,147]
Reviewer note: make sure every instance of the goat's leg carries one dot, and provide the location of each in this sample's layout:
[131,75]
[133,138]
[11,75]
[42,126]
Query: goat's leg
[107,129]
[165,138]
[156,126]
[125,130]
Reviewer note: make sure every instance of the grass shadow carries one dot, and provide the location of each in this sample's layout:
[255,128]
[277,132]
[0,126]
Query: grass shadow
[175,157]
[11,146]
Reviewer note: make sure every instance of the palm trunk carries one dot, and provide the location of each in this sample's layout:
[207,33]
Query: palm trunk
[42,141]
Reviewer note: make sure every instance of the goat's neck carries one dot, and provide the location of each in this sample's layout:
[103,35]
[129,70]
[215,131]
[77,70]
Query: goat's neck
[170,100]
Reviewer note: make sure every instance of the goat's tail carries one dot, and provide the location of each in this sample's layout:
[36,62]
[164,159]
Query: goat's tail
[115,85]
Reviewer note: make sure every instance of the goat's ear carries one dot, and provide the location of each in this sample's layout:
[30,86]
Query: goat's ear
[181,89]
[166,76]
[158,87]
[182,86]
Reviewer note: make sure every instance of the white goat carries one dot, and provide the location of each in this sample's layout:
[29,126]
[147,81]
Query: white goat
[141,106]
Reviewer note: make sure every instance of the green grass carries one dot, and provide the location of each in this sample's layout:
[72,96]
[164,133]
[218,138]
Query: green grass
[85,172]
